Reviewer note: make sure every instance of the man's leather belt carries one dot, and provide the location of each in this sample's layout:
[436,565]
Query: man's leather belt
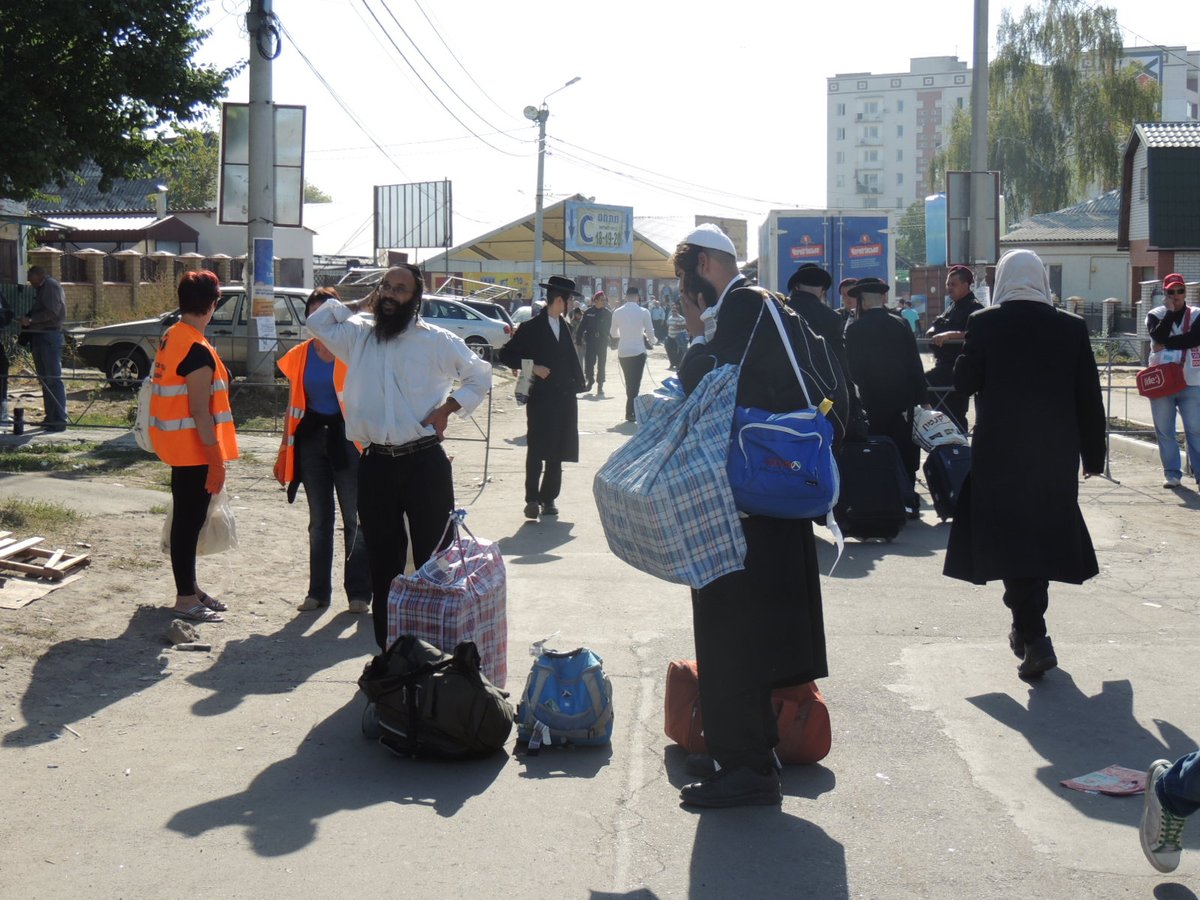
[416,446]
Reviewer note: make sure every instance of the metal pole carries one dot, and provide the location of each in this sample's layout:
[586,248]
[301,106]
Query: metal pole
[543,114]
[980,249]
[258,275]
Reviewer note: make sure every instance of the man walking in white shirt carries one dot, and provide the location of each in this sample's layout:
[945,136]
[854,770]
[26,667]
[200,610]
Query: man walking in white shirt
[634,331]
[398,400]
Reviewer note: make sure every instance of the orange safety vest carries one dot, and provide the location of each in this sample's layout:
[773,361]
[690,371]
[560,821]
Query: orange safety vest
[172,428]
[292,364]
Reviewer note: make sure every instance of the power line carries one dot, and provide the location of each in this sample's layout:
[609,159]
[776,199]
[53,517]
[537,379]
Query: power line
[445,140]
[340,102]
[431,91]
[454,56]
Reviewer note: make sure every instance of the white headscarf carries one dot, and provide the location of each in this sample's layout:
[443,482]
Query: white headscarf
[1020,275]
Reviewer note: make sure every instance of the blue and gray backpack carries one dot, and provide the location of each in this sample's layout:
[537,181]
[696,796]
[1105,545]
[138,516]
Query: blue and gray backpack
[567,700]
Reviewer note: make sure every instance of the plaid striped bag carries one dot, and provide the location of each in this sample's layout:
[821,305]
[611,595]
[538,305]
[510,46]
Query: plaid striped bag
[460,594]
[664,497]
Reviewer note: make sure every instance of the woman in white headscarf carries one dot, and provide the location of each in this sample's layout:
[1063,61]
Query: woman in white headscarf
[1038,414]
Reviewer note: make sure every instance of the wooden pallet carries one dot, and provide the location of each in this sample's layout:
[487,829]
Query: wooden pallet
[24,556]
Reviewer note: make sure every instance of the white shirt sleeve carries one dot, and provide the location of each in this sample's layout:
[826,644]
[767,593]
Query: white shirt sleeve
[474,377]
[648,327]
[333,324]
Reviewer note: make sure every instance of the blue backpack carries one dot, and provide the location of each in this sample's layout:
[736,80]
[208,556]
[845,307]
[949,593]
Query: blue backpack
[567,700]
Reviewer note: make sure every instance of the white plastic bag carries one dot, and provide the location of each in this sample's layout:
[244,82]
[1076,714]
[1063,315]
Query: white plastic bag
[219,532]
[141,425]
[933,428]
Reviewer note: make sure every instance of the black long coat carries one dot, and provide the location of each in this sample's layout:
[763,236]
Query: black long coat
[552,413]
[1038,413]
[766,623]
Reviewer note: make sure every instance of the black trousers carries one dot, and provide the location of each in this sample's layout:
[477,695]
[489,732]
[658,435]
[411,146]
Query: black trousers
[189,508]
[757,630]
[632,367]
[595,361]
[418,487]
[543,479]
[1028,599]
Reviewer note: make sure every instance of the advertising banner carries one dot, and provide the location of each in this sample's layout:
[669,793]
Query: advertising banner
[592,228]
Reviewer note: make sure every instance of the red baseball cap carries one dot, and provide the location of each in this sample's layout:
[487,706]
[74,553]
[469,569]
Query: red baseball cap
[1173,280]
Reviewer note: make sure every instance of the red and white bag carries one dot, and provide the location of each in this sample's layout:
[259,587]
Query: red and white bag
[460,594]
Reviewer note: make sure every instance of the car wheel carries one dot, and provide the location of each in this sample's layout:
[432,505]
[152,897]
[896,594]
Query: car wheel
[126,367]
[480,348]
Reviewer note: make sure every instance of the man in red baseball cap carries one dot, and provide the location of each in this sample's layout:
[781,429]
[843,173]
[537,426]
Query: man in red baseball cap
[1176,340]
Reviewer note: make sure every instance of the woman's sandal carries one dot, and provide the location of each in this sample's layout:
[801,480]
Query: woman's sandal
[198,613]
[211,602]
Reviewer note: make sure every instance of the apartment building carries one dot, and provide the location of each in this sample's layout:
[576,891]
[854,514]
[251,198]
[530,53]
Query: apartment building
[884,129]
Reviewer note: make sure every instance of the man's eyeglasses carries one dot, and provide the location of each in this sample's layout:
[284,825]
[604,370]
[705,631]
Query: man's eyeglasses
[1172,292]
[395,288]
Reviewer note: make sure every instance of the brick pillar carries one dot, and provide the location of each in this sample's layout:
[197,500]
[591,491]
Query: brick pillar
[49,259]
[93,261]
[131,268]
[1110,312]
[191,261]
[224,263]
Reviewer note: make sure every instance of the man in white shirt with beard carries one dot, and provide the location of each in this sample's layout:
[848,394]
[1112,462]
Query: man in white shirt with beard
[398,400]
[634,330]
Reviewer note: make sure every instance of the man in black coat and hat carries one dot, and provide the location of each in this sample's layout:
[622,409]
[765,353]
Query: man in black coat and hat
[806,298]
[886,367]
[552,414]
[763,627]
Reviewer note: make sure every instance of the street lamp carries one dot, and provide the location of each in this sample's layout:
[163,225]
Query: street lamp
[540,115]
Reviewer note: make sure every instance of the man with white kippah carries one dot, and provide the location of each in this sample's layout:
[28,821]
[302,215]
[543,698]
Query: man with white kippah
[760,628]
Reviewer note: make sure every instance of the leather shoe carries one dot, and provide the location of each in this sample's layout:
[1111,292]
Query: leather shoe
[48,425]
[741,786]
[1016,643]
[1039,658]
[531,510]
[549,509]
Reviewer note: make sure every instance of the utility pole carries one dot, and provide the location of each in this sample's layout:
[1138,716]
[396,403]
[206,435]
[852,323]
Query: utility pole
[258,275]
[981,181]
[538,236]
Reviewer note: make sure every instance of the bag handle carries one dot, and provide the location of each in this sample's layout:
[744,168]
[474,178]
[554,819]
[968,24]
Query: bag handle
[458,523]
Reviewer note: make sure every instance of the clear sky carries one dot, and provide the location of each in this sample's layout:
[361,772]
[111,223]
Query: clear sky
[682,108]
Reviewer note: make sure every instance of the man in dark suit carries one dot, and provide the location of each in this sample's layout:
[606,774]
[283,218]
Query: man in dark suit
[763,627]
[946,336]
[552,413]
[886,368]
[806,298]
[596,325]
[1018,518]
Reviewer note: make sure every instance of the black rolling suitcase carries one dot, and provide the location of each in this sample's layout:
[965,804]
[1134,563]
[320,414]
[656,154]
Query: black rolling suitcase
[946,469]
[874,489]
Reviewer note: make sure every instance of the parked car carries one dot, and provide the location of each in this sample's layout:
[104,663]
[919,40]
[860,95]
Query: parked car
[123,351]
[491,310]
[522,315]
[482,334]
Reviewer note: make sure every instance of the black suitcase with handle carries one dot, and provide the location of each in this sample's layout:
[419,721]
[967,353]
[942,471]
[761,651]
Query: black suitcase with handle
[874,489]
[946,469]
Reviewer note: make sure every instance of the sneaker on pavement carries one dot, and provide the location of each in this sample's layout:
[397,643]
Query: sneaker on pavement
[1161,829]
[360,606]
[1039,658]
[531,510]
[549,509]
[741,786]
[311,603]
[1171,481]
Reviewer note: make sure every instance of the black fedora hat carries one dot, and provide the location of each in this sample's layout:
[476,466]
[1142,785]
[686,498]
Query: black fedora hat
[869,286]
[810,275]
[558,283]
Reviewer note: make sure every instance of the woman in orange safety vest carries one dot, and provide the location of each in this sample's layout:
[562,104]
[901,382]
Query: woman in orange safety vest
[315,453]
[191,428]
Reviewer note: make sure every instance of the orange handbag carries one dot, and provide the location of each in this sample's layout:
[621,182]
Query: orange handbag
[803,718]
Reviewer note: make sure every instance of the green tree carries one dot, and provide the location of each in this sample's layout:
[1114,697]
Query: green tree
[90,79]
[1061,106]
[188,163]
[910,240]
[313,194]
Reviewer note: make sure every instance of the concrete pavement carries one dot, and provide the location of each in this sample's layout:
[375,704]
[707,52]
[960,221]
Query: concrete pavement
[248,775]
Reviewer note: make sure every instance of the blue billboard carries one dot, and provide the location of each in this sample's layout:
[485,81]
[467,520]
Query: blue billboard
[845,246]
